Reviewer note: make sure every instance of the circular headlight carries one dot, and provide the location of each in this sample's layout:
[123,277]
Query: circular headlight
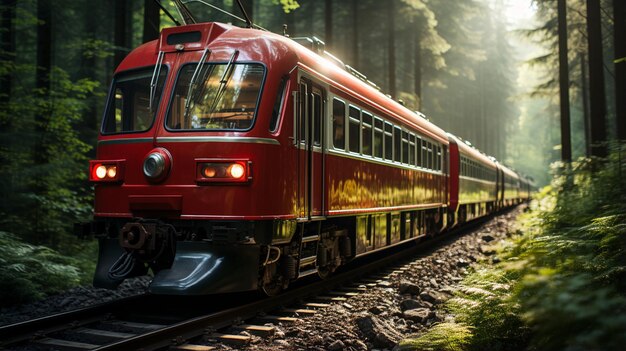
[154,165]
[101,172]
[237,171]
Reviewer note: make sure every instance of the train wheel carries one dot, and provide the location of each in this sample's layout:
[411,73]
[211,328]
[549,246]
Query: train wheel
[275,276]
[272,288]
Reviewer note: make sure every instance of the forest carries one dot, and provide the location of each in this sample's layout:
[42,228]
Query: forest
[530,92]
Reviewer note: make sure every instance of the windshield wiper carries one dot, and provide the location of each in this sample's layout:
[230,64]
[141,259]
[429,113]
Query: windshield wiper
[155,78]
[191,94]
[224,81]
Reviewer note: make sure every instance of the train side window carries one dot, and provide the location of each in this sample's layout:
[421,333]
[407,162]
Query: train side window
[424,154]
[378,138]
[405,147]
[278,104]
[339,124]
[445,160]
[397,144]
[354,135]
[388,141]
[438,158]
[366,131]
[418,151]
[430,155]
[412,149]
[317,118]
[302,113]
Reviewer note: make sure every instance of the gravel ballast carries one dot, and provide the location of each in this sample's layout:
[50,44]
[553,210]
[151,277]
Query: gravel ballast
[400,307]
[76,298]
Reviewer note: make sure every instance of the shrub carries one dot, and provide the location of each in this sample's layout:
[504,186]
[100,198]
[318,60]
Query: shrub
[29,272]
[562,282]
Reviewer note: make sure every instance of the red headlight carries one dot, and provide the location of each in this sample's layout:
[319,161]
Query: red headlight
[232,171]
[106,171]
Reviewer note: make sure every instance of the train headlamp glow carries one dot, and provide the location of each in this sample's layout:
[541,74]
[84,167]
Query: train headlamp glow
[101,172]
[106,171]
[112,172]
[209,170]
[236,170]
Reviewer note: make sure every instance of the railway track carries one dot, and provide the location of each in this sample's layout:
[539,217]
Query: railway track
[154,322]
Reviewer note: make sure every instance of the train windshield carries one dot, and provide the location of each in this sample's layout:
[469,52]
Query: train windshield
[216,97]
[129,109]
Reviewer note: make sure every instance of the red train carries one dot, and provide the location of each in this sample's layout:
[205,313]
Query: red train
[233,159]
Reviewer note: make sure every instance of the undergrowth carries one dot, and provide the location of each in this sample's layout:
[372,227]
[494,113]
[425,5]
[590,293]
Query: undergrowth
[561,283]
[30,272]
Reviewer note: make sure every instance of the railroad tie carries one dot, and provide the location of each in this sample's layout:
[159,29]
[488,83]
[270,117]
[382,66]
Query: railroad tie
[66,344]
[192,347]
[231,339]
[278,319]
[330,298]
[258,330]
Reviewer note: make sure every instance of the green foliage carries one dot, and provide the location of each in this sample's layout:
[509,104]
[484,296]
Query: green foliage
[442,337]
[288,5]
[562,283]
[29,272]
[43,179]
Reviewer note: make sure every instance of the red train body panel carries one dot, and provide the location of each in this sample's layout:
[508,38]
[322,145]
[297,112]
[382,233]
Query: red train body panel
[233,159]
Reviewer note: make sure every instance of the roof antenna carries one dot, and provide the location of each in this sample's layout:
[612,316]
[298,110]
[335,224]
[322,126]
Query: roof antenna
[245,15]
[184,12]
[167,12]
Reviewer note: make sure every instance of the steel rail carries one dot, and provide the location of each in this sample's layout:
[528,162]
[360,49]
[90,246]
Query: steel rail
[184,331]
[23,331]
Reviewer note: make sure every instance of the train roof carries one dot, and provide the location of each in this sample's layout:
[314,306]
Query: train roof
[278,52]
[471,151]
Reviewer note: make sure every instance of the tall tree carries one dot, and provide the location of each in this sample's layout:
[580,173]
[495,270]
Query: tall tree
[328,21]
[584,95]
[619,37]
[391,47]
[7,49]
[44,66]
[597,102]
[120,32]
[566,146]
[417,62]
[355,33]
[151,20]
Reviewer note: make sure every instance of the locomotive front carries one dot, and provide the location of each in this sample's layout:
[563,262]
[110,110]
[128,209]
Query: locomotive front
[190,122]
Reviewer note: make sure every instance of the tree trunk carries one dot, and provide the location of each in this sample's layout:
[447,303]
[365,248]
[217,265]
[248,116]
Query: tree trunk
[619,36]
[151,20]
[120,35]
[328,22]
[585,98]
[391,48]
[7,51]
[417,63]
[42,117]
[355,33]
[42,75]
[566,144]
[89,69]
[597,103]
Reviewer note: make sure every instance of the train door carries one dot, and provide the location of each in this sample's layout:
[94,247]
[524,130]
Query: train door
[309,136]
